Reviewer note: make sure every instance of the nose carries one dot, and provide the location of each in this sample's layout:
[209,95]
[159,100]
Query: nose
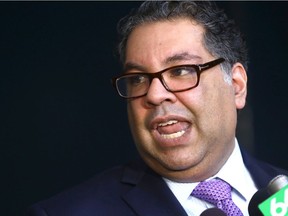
[157,94]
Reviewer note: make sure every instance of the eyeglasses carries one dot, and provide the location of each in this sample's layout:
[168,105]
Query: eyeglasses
[175,79]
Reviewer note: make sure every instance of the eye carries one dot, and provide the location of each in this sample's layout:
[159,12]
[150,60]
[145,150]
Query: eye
[182,71]
[136,80]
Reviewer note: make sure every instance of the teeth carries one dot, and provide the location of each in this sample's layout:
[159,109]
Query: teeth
[173,135]
[167,123]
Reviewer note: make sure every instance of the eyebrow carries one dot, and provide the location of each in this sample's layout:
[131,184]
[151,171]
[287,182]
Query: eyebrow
[169,60]
[180,57]
[133,66]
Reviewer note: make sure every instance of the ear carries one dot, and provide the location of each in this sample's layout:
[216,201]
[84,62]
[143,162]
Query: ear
[239,81]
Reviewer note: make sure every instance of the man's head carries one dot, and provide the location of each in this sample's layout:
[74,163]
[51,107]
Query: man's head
[222,38]
[186,135]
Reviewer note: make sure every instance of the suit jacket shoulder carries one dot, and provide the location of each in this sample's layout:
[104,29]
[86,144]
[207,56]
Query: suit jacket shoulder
[132,189]
[261,172]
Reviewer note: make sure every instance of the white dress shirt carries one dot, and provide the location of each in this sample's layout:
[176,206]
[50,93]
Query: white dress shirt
[234,172]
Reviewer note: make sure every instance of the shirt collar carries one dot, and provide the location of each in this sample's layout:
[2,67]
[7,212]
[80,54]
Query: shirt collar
[233,170]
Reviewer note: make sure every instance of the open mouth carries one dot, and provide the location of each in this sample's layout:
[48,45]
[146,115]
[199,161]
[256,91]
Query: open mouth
[172,129]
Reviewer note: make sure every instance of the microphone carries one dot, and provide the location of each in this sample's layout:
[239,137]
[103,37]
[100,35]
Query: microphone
[256,199]
[271,200]
[277,184]
[213,212]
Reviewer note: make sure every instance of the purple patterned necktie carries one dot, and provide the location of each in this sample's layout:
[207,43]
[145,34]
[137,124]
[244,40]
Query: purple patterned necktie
[217,192]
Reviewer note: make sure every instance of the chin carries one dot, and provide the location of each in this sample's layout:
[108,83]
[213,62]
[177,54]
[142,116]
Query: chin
[178,164]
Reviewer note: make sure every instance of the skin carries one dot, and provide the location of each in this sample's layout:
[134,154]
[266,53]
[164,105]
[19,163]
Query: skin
[205,116]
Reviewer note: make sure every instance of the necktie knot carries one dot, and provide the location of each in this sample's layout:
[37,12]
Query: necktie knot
[212,191]
[217,192]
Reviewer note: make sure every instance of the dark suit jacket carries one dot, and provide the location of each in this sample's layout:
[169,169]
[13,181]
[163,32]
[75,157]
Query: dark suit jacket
[133,189]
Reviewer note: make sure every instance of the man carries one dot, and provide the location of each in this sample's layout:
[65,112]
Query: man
[184,80]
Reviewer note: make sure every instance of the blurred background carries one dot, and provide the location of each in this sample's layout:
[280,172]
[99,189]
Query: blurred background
[61,121]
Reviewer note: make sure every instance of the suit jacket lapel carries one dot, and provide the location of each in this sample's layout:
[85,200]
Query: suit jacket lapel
[149,195]
[261,172]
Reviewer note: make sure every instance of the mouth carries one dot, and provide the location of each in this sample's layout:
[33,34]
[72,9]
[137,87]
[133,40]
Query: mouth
[171,129]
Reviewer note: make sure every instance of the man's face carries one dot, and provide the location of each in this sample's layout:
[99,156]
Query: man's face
[184,136]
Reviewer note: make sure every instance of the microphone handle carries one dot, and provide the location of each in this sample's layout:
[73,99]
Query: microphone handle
[213,212]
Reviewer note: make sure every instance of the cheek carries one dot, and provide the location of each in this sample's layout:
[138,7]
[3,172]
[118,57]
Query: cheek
[219,112]
[211,105]
[136,117]
[132,121]
[131,115]
[140,133]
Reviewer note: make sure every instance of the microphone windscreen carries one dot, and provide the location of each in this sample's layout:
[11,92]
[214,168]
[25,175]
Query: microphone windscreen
[277,184]
[213,212]
[256,199]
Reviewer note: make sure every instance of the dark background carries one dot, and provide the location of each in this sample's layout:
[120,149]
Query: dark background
[62,122]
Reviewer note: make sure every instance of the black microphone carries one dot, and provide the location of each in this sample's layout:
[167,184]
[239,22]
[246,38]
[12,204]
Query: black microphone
[256,199]
[213,212]
[274,186]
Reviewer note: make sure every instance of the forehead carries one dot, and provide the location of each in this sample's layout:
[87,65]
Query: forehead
[162,40]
